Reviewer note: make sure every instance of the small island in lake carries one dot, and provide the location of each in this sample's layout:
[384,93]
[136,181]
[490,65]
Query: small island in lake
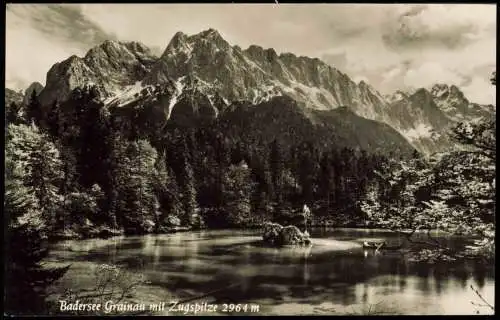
[278,235]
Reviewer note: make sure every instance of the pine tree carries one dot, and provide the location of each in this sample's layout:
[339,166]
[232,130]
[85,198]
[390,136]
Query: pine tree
[237,193]
[167,193]
[136,202]
[12,114]
[179,157]
[52,120]
[307,173]
[326,181]
[38,164]
[222,159]
[261,196]
[117,175]
[34,109]
[277,167]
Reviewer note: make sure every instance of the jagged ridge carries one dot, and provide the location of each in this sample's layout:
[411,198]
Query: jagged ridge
[194,71]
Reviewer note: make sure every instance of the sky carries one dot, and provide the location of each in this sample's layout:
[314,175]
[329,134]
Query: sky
[391,46]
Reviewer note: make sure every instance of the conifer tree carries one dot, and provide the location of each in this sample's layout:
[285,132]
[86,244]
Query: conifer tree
[237,193]
[276,166]
[34,109]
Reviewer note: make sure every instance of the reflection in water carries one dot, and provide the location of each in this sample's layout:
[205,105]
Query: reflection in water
[333,275]
[307,253]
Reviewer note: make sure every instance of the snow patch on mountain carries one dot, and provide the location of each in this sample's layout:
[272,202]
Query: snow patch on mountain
[126,95]
[179,87]
[211,98]
[421,131]
[318,98]
[266,92]
[253,65]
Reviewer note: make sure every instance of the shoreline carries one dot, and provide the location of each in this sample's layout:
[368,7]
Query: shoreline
[116,233]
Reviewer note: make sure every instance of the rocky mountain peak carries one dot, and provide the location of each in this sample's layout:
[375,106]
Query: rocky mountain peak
[183,44]
[287,57]
[110,66]
[137,47]
[439,88]
[35,87]
[115,51]
[422,94]
[457,94]
[399,95]
[178,42]
[255,51]
[444,91]
[452,101]
[210,34]
[257,74]
[366,86]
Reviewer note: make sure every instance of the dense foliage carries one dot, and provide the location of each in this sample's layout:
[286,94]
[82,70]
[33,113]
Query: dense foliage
[33,173]
[452,192]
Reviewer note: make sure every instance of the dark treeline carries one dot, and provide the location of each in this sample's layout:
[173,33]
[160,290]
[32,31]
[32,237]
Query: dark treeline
[125,169]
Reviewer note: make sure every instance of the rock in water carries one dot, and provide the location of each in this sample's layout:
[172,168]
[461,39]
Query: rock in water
[197,221]
[173,221]
[275,234]
[149,226]
[291,235]
[271,232]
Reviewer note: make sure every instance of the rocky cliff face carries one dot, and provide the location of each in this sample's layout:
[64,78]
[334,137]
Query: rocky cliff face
[202,74]
[453,103]
[110,66]
[257,74]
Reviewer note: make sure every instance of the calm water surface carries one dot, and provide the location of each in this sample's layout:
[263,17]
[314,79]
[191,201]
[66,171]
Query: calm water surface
[334,276]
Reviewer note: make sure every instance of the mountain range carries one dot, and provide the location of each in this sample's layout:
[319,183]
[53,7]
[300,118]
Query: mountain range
[203,78]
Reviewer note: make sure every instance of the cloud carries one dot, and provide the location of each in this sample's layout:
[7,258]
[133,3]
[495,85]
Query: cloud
[445,43]
[37,36]
[435,26]
[419,76]
[480,90]
[64,23]
[338,60]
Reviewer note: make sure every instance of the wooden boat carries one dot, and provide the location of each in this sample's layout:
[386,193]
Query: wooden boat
[379,245]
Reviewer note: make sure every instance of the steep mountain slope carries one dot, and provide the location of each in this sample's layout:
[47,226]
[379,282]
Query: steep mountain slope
[367,134]
[426,116]
[110,66]
[455,105]
[283,118]
[420,120]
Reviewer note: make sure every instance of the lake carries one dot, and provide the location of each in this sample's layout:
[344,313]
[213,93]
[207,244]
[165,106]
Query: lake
[333,276]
